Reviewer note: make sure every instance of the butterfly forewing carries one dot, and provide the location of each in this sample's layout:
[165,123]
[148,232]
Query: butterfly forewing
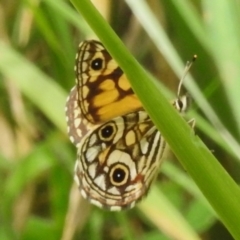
[118,161]
[78,126]
[103,89]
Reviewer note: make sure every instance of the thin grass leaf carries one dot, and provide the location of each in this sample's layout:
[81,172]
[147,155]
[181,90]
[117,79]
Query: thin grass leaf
[192,19]
[222,24]
[37,86]
[161,212]
[44,26]
[181,179]
[71,16]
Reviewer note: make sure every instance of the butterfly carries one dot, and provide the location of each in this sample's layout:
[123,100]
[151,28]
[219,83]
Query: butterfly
[119,149]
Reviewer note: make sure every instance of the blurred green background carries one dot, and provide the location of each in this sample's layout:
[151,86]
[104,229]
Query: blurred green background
[38,43]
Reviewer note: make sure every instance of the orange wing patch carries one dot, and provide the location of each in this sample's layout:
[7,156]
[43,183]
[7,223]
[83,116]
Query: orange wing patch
[104,91]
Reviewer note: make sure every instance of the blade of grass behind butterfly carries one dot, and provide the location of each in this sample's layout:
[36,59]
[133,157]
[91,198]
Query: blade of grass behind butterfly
[43,25]
[182,179]
[222,25]
[32,82]
[166,217]
[71,16]
[216,185]
[190,15]
[54,29]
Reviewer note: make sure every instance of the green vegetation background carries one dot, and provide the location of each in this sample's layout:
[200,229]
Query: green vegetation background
[37,50]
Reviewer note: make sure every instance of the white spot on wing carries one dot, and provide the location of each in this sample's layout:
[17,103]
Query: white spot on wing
[142,165]
[132,204]
[96,203]
[114,191]
[71,139]
[84,66]
[130,188]
[120,128]
[92,170]
[92,140]
[76,179]
[86,55]
[142,116]
[79,132]
[77,122]
[106,169]
[100,182]
[115,208]
[83,193]
[144,145]
[92,153]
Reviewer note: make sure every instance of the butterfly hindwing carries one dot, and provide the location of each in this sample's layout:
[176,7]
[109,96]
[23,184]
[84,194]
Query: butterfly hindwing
[118,161]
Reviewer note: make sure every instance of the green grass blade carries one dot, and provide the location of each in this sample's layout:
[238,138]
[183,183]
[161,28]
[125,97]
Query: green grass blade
[162,213]
[191,17]
[223,27]
[67,12]
[37,86]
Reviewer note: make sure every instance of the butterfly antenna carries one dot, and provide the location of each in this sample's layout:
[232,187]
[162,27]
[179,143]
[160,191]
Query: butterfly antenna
[186,70]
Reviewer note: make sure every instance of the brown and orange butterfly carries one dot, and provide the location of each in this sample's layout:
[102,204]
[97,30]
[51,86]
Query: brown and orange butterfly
[119,150]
